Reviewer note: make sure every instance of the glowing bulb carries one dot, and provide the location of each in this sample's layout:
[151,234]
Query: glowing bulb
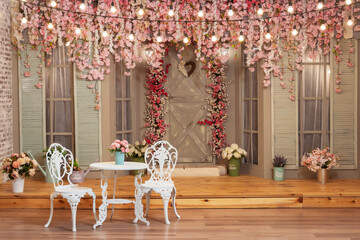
[230,12]
[214,38]
[241,38]
[53,3]
[348,2]
[141,11]
[171,12]
[260,11]
[201,13]
[268,36]
[223,51]
[350,22]
[294,32]
[323,27]
[149,52]
[320,5]
[67,44]
[290,9]
[186,40]
[77,31]
[159,39]
[50,26]
[104,34]
[131,37]
[24,20]
[23,0]
[113,9]
[82,6]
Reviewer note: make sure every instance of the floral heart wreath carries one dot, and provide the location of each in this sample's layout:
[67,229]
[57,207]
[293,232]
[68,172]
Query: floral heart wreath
[182,69]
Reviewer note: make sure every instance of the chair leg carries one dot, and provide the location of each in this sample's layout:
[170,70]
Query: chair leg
[173,197]
[148,196]
[73,200]
[166,198]
[94,205]
[52,196]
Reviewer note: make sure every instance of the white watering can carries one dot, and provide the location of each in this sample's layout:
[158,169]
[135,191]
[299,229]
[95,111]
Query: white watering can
[46,173]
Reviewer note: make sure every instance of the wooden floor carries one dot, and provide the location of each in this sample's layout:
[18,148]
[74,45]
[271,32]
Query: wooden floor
[210,224]
[207,192]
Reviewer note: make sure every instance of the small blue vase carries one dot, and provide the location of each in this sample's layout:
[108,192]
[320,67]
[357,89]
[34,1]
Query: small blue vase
[119,158]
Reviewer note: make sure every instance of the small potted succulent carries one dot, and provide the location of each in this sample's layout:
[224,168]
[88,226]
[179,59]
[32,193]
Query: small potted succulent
[137,154]
[279,162]
[234,154]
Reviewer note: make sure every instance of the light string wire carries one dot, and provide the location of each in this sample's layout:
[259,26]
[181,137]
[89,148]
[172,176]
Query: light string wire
[187,21]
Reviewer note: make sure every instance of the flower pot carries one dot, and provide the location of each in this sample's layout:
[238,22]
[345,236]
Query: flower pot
[278,173]
[234,167]
[119,158]
[137,172]
[77,176]
[18,185]
[323,175]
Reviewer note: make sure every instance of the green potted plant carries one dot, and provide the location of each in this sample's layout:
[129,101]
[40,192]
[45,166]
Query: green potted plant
[234,154]
[279,162]
[137,154]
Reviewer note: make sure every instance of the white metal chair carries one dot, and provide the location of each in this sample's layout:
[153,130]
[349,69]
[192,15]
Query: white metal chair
[161,160]
[60,161]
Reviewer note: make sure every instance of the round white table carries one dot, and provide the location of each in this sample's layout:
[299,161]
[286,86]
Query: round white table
[111,166]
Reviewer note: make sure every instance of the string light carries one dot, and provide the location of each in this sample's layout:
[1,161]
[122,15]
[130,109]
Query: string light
[214,38]
[77,31]
[320,5]
[23,0]
[290,8]
[53,3]
[141,11]
[350,22]
[149,52]
[24,20]
[159,39]
[67,43]
[113,8]
[348,2]
[200,13]
[241,37]
[268,36]
[82,6]
[50,26]
[230,11]
[186,40]
[323,27]
[260,11]
[105,34]
[294,32]
[131,37]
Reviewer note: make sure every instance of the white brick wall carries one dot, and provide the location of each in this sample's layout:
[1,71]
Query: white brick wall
[5,80]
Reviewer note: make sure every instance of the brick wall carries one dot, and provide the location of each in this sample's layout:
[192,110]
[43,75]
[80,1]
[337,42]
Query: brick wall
[5,80]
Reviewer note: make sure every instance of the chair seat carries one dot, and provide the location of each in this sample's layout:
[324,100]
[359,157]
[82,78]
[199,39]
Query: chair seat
[72,188]
[157,184]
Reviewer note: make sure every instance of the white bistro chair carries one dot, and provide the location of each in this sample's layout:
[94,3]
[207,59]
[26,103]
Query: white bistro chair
[161,160]
[60,162]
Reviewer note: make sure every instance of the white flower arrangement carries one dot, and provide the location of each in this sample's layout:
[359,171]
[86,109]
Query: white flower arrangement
[233,151]
[138,149]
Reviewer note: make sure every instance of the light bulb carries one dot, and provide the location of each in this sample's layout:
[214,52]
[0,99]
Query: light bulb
[159,39]
[171,12]
[201,13]
[186,40]
[214,38]
[323,27]
[149,52]
[23,0]
[77,31]
[24,20]
[290,9]
[230,12]
[53,3]
[131,37]
[241,38]
[268,36]
[50,26]
[113,9]
[320,5]
[294,32]
[104,34]
[223,51]
[67,43]
[82,6]
[141,11]
[348,2]
[350,22]
[260,11]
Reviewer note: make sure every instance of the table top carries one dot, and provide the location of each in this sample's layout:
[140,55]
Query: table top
[113,166]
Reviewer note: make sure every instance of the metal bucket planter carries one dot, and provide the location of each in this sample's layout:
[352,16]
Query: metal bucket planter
[234,167]
[278,173]
[323,175]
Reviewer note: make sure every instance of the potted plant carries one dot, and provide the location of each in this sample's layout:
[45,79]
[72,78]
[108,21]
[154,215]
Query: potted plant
[137,154]
[279,162]
[16,168]
[120,148]
[320,161]
[234,154]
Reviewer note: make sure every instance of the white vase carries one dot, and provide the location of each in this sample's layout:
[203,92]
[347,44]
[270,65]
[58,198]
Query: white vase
[18,185]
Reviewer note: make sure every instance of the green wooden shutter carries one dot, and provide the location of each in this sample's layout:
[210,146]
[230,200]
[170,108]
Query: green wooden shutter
[344,109]
[31,109]
[284,121]
[87,123]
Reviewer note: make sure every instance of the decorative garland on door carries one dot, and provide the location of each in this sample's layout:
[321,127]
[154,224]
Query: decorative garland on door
[156,96]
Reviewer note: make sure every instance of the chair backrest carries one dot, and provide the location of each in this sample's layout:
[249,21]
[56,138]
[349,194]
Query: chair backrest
[60,162]
[161,160]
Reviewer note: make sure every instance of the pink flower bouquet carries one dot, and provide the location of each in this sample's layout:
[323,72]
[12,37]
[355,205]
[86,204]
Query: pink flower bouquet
[18,166]
[119,146]
[320,159]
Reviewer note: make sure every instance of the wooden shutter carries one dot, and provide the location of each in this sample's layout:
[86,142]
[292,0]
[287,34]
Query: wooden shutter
[87,123]
[32,105]
[344,108]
